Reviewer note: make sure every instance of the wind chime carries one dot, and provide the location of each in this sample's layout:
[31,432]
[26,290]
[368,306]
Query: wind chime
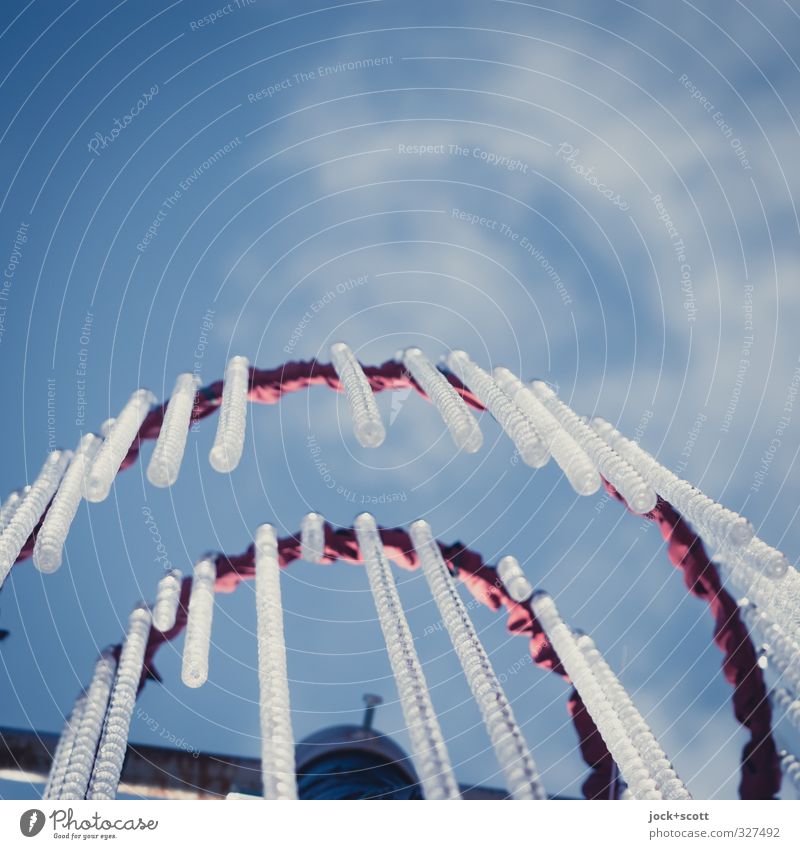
[614,738]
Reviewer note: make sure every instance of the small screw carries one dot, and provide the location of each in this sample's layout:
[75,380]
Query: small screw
[371,701]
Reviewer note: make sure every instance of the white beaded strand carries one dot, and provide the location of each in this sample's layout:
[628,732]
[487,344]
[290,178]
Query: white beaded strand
[30,510]
[764,558]
[64,747]
[50,540]
[168,593]
[715,522]
[790,766]
[570,457]
[278,774]
[761,558]
[367,425]
[117,444]
[777,601]
[781,650]
[515,424]
[228,445]
[194,672]
[312,538]
[82,757]
[640,496]
[427,743]
[104,430]
[511,750]
[107,769]
[165,462]
[10,506]
[786,705]
[630,763]
[460,421]
[639,732]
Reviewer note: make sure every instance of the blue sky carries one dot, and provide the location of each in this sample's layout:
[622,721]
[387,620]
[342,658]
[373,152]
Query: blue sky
[600,195]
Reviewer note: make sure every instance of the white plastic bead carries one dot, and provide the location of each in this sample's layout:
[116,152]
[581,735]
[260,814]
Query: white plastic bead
[114,742]
[81,760]
[312,538]
[639,495]
[570,457]
[367,425]
[165,463]
[30,509]
[460,421]
[168,594]
[50,539]
[117,444]
[515,424]
[427,743]
[513,755]
[194,672]
[229,440]
[277,739]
